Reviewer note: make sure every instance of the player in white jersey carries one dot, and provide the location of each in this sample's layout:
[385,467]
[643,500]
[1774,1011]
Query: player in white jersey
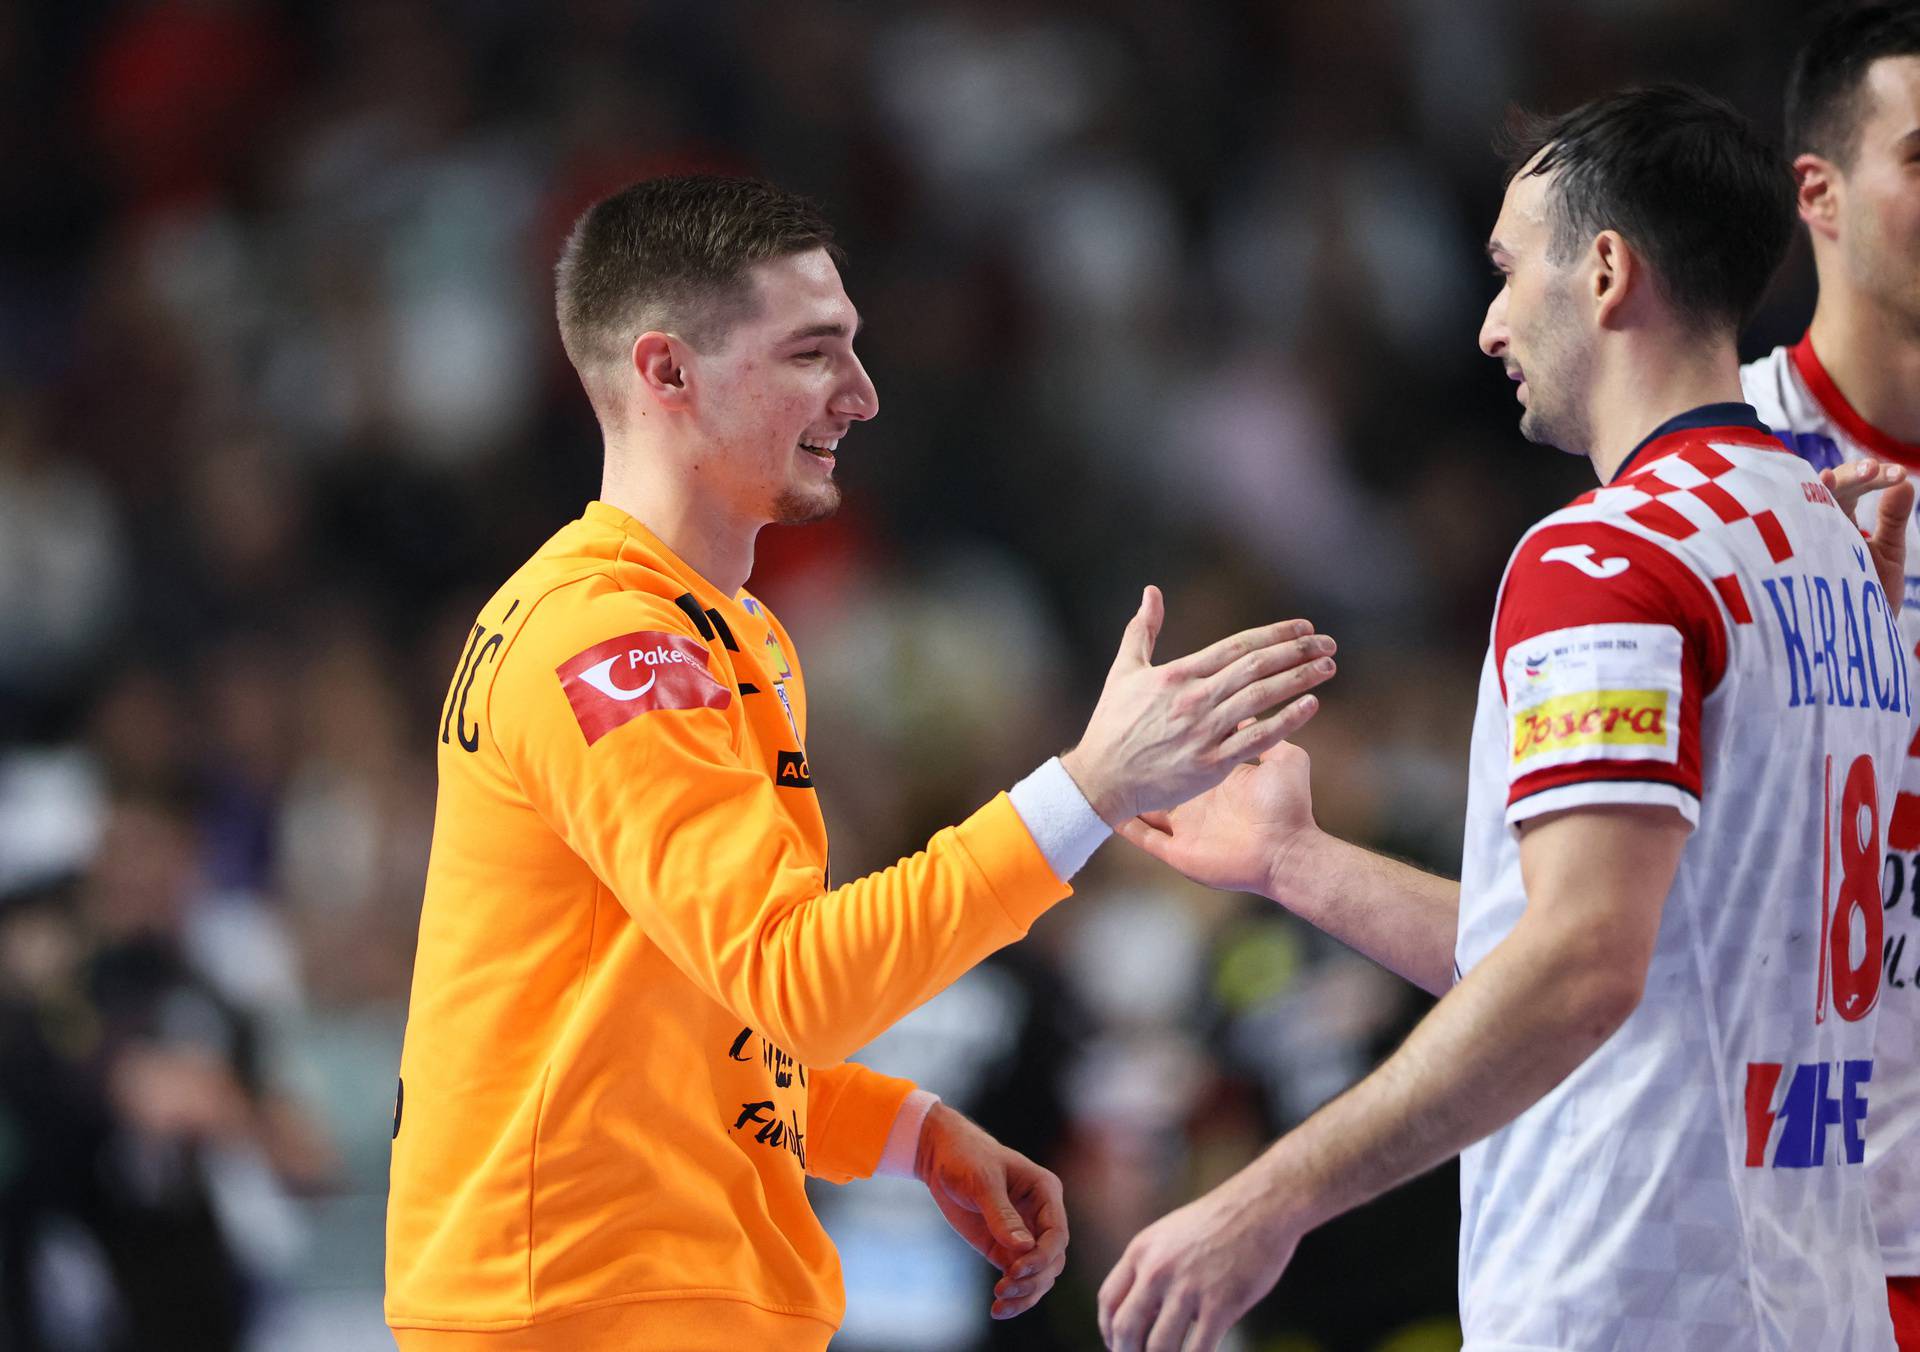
[1849,391]
[1654,1041]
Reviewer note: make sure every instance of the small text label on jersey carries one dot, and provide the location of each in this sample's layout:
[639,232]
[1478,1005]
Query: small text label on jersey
[761,1119]
[791,771]
[1604,718]
[600,674]
[605,688]
[1594,692]
[1581,557]
[1798,1121]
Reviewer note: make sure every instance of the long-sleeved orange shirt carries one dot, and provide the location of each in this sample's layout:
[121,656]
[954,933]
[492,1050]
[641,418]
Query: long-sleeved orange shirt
[635,992]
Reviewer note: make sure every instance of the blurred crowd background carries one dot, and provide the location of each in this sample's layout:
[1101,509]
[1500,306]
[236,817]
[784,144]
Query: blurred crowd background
[1183,293]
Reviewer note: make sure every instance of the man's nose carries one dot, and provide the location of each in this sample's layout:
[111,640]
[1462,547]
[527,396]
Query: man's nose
[1493,329]
[857,399]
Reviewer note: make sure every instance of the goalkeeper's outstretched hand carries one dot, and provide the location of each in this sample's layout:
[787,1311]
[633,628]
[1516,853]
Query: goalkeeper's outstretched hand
[1161,734]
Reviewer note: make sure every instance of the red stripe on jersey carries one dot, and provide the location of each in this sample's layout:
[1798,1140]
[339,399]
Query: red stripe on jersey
[1776,538]
[1736,598]
[1652,485]
[1657,516]
[1695,446]
[1762,1077]
[1656,587]
[1707,460]
[1903,832]
[1724,504]
[1903,1300]
[1681,776]
[1820,385]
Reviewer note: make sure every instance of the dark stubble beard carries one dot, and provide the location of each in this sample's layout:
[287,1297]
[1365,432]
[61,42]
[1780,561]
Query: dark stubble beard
[797,508]
[1889,280]
[1553,418]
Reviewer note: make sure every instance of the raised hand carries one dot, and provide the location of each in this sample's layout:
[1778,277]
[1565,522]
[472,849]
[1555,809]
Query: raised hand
[1887,542]
[1161,734]
[1236,835]
[1002,1203]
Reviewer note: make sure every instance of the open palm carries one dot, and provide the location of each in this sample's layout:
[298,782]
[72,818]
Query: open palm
[1234,835]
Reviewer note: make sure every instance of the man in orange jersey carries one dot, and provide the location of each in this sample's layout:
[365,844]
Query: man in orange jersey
[635,990]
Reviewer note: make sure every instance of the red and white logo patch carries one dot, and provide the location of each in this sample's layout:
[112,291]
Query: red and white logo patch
[614,682]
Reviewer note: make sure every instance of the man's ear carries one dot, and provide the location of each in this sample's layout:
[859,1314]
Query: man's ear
[1614,273]
[660,366]
[1817,186]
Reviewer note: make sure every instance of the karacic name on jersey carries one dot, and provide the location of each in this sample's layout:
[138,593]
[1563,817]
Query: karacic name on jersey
[1848,637]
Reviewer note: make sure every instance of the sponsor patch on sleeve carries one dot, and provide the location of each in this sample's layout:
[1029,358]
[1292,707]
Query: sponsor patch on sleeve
[612,683]
[1595,692]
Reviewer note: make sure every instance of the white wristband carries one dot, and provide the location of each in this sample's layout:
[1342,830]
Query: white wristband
[1063,824]
[903,1141]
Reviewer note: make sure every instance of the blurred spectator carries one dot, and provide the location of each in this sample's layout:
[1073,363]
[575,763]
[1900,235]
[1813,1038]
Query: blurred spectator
[148,1153]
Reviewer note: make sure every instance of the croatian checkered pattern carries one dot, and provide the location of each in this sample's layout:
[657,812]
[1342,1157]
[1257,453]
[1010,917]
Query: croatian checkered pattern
[1680,494]
[1794,397]
[1619,1212]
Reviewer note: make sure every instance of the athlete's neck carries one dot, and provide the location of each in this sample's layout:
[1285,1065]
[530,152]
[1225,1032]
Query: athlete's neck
[1650,384]
[1873,359]
[669,503]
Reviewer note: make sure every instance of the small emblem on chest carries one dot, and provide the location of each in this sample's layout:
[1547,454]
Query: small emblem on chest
[791,772]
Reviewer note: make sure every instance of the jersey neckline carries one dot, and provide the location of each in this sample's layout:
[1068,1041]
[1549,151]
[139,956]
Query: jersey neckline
[1834,404]
[603,513]
[1730,422]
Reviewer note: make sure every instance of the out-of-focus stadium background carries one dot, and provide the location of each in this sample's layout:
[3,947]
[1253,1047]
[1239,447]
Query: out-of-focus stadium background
[1173,292]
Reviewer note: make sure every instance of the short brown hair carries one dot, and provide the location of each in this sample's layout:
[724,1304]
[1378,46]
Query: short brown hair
[673,254]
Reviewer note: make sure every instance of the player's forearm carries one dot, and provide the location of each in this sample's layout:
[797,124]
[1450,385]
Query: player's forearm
[824,975]
[1402,918]
[848,964]
[1516,1026]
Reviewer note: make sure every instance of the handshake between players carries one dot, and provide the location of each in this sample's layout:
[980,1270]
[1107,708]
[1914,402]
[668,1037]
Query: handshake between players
[636,988]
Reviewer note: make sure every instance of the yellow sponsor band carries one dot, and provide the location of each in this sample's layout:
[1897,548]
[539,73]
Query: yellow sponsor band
[1592,718]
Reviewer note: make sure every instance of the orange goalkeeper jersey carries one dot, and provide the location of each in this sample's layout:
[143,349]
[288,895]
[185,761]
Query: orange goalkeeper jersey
[635,993]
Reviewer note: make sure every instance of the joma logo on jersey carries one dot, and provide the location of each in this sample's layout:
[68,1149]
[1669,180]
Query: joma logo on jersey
[1596,718]
[1790,1129]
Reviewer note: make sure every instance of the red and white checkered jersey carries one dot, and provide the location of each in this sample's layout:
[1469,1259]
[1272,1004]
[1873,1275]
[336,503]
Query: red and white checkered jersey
[1795,397]
[1706,634]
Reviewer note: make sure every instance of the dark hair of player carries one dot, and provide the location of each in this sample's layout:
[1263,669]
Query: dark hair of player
[1823,90]
[672,254]
[1684,178]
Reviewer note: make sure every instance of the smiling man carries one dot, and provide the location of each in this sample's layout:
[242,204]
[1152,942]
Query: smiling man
[635,989]
[1659,972]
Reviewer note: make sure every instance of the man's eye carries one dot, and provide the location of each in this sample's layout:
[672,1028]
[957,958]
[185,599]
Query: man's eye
[814,355]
